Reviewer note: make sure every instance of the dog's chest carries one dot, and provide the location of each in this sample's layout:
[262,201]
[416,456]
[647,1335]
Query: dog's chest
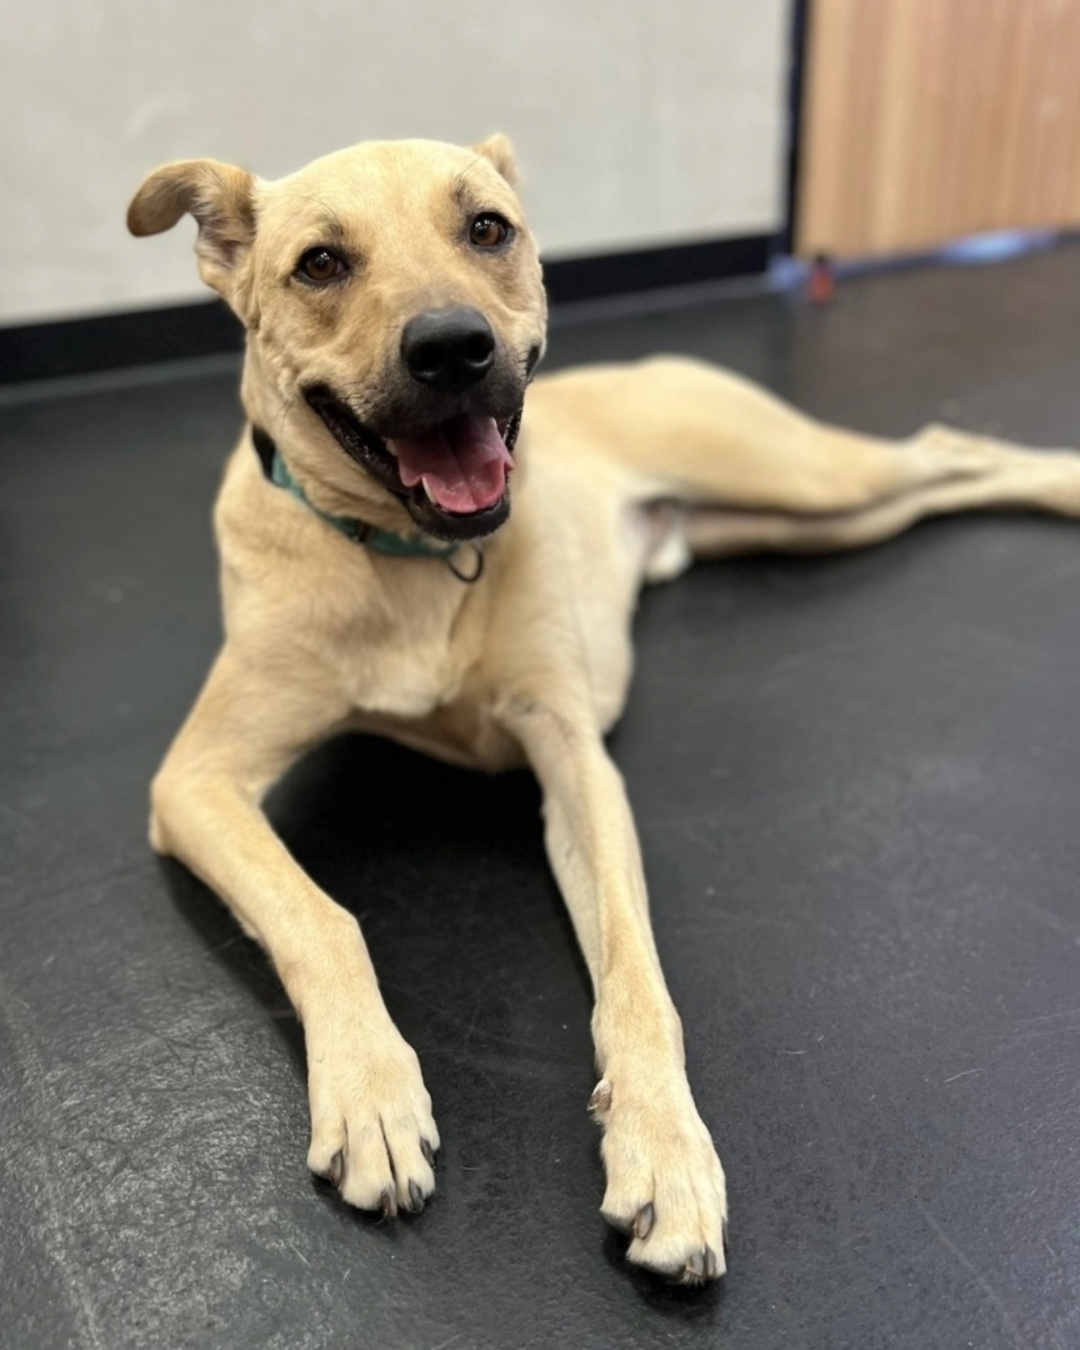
[400,682]
[402,662]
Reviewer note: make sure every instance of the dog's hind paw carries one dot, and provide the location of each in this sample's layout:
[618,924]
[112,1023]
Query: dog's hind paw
[372,1132]
[665,1185]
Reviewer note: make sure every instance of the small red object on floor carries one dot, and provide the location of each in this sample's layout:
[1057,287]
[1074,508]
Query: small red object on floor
[821,283]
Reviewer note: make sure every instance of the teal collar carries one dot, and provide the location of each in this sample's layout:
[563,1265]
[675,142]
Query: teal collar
[359,531]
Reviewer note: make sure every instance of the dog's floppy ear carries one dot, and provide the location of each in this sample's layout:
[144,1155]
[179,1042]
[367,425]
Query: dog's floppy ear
[500,152]
[219,196]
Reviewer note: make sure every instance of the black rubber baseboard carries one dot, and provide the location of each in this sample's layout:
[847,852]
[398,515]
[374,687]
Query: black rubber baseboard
[110,341]
[205,328]
[608,274]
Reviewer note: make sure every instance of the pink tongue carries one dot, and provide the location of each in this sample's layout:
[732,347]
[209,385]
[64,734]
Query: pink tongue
[463,462]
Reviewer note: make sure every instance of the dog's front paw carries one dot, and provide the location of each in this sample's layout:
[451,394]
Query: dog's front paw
[665,1185]
[372,1131]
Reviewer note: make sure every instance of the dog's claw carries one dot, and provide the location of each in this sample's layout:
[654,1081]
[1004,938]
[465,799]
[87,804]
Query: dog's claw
[644,1220]
[710,1264]
[388,1202]
[428,1152]
[600,1101]
[416,1198]
[694,1270]
[337,1168]
[724,1236]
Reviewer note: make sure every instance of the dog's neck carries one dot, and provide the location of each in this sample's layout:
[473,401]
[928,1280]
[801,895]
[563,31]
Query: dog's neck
[277,471]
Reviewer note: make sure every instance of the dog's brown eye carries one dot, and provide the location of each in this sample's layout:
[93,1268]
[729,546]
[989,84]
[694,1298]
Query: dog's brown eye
[319,264]
[489,230]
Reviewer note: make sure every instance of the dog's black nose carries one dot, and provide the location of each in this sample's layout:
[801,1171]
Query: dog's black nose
[448,349]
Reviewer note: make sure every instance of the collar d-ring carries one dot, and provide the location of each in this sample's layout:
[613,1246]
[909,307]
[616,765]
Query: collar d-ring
[468,577]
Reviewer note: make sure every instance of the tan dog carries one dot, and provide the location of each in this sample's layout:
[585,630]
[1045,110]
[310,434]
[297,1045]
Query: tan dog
[394,311]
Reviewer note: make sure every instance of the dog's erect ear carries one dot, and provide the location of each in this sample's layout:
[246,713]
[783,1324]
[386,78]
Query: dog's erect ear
[220,198]
[500,152]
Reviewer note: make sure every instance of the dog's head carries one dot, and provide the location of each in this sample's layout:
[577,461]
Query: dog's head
[395,311]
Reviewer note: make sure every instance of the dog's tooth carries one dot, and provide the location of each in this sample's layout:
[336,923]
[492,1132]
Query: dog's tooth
[391,447]
[427,489]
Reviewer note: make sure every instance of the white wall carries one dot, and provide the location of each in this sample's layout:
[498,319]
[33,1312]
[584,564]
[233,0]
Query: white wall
[636,121]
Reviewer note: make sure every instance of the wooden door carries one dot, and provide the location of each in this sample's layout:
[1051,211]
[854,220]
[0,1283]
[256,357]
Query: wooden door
[925,120]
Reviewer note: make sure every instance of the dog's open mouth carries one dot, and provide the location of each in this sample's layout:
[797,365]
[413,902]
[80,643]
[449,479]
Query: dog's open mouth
[452,478]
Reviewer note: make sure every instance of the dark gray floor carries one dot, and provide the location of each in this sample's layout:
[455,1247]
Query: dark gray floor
[857,784]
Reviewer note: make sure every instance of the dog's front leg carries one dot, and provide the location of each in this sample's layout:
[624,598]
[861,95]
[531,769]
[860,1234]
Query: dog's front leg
[372,1131]
[665,1185]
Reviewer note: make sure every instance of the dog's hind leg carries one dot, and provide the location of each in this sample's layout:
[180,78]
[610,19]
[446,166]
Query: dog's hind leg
[695,434]
[956,472]
[372,1132]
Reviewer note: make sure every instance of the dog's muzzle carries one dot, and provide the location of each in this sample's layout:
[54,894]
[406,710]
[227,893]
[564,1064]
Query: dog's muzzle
[453,477]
